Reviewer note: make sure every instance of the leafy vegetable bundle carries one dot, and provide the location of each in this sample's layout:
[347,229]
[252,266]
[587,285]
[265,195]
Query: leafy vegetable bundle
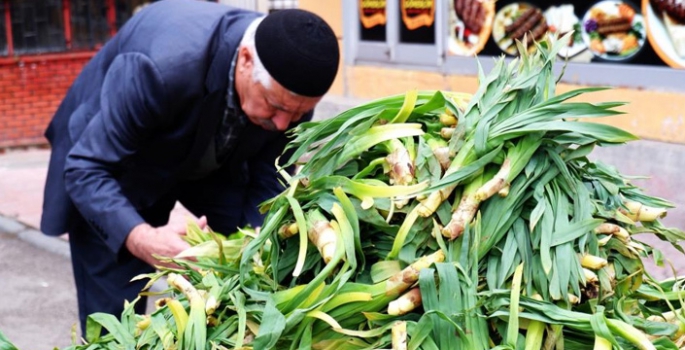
[433,220]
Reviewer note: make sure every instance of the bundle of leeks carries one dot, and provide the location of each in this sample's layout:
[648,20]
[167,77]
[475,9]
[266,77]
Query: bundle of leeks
[433,220]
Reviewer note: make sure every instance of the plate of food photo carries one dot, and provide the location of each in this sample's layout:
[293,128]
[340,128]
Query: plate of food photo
[562,20]
[516,20]
[665,22]
[470,25]
[613,30]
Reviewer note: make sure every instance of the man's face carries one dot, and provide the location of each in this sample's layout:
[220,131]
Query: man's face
[272,109]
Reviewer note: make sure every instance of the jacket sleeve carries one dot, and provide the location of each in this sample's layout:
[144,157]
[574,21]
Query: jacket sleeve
[265,182]
[131,108]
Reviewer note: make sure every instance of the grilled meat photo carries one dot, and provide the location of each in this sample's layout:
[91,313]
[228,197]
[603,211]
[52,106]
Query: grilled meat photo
[531,21]
[472,13]
[672,13]
[613,25]
[674,8]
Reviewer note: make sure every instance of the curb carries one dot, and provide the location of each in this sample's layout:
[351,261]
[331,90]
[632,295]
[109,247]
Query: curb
[53,245]
[34,237]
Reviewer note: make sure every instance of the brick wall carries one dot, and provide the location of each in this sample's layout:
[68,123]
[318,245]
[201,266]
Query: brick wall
[30,91]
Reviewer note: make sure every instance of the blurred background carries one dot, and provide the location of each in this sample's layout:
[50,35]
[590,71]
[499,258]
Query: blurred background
[388,47]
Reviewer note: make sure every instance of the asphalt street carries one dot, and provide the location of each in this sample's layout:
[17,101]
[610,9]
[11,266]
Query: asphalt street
[38,299]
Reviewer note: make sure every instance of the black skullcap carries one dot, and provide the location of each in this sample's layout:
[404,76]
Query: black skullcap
[299,50]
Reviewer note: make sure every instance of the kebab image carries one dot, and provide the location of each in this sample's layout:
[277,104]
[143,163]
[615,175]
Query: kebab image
[613,30]
[516,21]
[531,21]
[673,14]
[672,8]
[472,25]
[472,13]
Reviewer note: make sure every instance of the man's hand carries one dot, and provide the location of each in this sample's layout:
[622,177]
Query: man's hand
[144,241]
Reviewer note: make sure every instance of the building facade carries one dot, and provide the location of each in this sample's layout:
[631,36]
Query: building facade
[45,43]
[383,56]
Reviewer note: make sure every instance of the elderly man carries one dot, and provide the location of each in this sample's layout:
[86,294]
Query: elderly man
[188,102]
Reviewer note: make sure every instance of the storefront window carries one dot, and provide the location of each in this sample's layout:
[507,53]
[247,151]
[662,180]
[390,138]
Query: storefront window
[610,42]
[37,26]
[372,20]
[29,27]
[418,21]
[89,26]
[603,31]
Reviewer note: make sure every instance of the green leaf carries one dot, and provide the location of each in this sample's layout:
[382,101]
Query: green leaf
[598,132]
[302,233]
[509,257]
[97,321]
[427,167]
[536,214]
[238,300]
[599,326]
[545,229]
[270,228]
[574,230]
[419,333]
[376,135]
[271,328]
[513,326]
[353,220]
[465,172]
[407,107]
[347,234]
[5,344]
[365,188]
[436,102]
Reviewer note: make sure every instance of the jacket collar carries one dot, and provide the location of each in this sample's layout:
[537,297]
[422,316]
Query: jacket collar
[226,40]
[229,33]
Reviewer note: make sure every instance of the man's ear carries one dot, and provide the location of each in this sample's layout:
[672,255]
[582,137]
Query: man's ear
[245,60]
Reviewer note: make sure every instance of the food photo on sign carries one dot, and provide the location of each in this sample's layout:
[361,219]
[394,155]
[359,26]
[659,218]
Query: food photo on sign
[665,22]
[418,21]
[470,25]
[613,30]
[417,13]
[603,31]
[516,20]
[372,13]
[634,32]
[562,20]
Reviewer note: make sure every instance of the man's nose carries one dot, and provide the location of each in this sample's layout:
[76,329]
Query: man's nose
[281,120]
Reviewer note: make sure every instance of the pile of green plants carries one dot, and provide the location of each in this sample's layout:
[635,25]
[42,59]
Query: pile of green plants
[432,220]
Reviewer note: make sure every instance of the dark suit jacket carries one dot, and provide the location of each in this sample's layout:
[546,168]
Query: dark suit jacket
[141,114]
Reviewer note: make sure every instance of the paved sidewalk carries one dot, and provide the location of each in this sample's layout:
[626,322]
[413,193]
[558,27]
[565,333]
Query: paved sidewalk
[22,177]
[38,302]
